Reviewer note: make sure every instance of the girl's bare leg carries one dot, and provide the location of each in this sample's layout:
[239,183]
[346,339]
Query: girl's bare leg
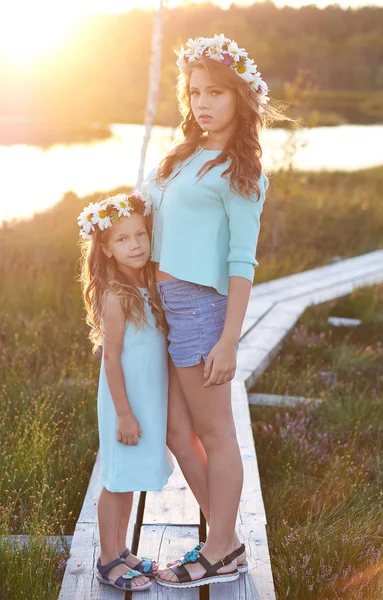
[212,421]
[185,444]
[109,507]
[188,449]
[123,523]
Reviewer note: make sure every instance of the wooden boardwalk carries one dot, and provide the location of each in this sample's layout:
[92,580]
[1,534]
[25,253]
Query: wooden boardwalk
[167,523]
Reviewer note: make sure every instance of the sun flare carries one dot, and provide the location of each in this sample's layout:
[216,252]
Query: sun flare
[27,31]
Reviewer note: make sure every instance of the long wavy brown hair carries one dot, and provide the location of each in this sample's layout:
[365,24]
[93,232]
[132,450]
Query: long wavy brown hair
[242,148]
[100,274]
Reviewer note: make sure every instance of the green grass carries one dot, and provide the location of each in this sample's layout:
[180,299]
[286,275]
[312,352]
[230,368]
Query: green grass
[31,572]
[311,218]
[48,387]
[321,466]
[48,378]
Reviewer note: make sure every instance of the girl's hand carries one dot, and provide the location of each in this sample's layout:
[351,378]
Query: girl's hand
[221,364]
[128,430]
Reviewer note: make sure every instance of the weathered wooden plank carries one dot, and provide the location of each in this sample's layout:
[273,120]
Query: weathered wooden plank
[343,322]
[293,307]
[251,507]
[258,582]
[371,259]
[307,286]
[243,374]
[275,321]
[88,512]
[256,309]
[343,288]
[267,335]
[261,343]
[328,282]
[264,338]
[251,359]
[173,505]
[291,295]
[166,543]
[248,324]
[249,376]
[58,541]
[276,400]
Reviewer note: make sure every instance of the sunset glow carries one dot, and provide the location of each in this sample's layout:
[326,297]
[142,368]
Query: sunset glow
[30,29]
[27,31]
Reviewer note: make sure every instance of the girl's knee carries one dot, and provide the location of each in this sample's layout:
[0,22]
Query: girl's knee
[179,441]
[214,438]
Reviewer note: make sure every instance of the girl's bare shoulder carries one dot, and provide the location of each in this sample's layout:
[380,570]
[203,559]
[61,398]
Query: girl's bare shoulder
[112,306]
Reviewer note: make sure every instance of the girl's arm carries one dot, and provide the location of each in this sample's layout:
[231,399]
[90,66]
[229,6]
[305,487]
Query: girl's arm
[128,429]
[244,224]
[222,360]
[237,301]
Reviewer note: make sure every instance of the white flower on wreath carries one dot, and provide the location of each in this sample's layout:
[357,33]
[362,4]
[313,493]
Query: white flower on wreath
[146,199]
[219,40]
[257,82]
[86,236]
[215,53]
[121,203]
[101,218]
[85,220]
[215,47]
[236,52]
[264,87]
[250,70]
[261,88]
[181,53]
[194,49]
[148,202]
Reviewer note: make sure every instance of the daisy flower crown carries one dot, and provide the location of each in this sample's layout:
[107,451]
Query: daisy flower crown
[227,52]
[108,212]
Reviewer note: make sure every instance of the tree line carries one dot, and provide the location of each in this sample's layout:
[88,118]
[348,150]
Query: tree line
[101,74]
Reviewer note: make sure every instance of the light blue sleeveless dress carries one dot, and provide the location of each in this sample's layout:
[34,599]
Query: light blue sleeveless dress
[144,360]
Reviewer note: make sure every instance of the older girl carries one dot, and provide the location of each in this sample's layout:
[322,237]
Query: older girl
[208,195]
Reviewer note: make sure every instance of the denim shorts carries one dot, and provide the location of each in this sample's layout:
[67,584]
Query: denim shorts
[195,315]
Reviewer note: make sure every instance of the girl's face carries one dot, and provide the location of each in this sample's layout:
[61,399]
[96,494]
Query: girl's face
[214,106]
[129,243]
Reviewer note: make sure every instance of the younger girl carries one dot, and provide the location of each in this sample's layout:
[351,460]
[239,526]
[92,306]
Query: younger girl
[124,314]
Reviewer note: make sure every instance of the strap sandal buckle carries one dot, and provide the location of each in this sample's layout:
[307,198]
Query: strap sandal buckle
[225,561]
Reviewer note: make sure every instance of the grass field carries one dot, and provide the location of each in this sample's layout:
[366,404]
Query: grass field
[321,466]
[48,378]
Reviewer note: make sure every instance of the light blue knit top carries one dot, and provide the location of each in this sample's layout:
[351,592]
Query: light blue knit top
[203,231]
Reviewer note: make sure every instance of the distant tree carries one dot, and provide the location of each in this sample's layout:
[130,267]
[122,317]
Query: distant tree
[101,73]
[154,87]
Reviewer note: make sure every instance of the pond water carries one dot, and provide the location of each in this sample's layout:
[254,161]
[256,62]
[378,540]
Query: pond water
[35,178]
